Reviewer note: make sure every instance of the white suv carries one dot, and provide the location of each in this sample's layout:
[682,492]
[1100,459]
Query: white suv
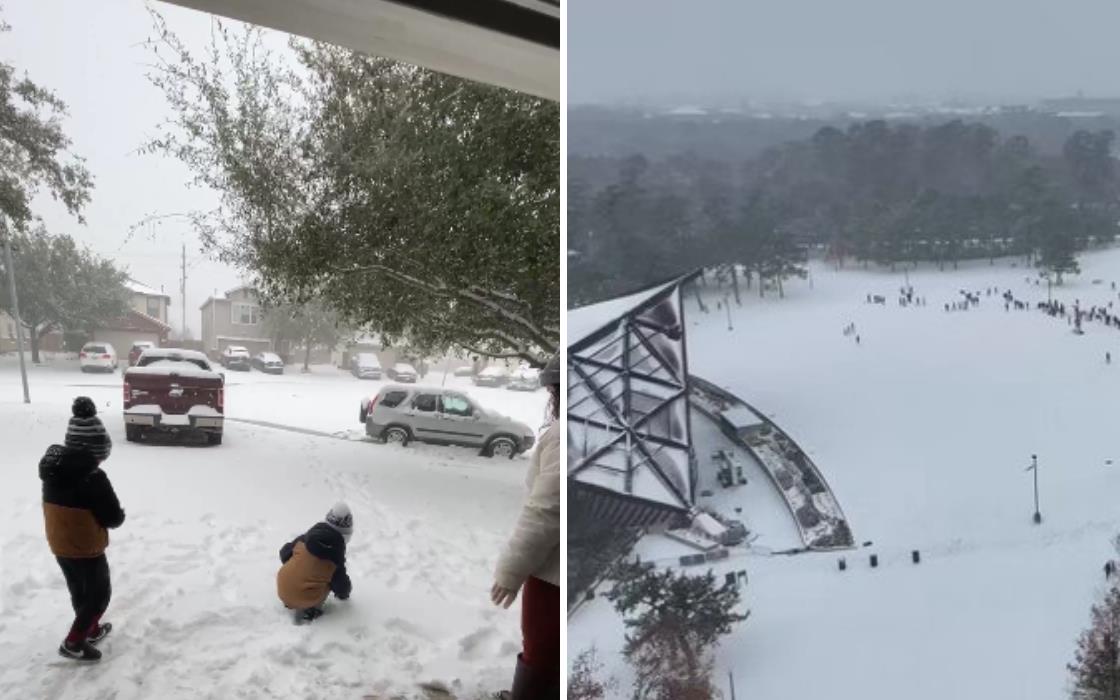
[98,357]
[236,357]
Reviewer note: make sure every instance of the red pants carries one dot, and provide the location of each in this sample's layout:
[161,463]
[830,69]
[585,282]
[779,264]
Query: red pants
[540,626]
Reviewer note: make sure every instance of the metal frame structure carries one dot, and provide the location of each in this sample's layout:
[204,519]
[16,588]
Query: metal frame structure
[629,432]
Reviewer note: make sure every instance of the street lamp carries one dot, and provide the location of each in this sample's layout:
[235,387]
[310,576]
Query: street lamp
[1034,468]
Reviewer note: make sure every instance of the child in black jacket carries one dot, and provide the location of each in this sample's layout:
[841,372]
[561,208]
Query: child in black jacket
[79,507]
[314,565]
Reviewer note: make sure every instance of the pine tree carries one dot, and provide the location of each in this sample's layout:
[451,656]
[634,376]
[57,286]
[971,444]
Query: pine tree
[583,681]
[1096,665]
[674,622]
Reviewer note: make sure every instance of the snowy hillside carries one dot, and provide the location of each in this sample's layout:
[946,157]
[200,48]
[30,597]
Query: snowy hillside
[923,430]
[194,592]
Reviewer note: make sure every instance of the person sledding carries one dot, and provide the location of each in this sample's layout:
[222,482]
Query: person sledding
[314,565]
[79,508]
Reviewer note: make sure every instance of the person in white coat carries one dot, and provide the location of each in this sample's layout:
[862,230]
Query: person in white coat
[531,562]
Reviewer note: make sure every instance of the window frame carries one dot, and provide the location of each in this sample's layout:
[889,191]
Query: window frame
[435,403]
[470,406]
[235,317]
[384,400]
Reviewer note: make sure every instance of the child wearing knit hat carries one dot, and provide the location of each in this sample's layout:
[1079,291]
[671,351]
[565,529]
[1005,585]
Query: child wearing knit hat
[86,431]
[79,508]
[314,565]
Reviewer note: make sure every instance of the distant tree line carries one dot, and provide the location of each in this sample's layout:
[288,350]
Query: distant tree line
[876,192]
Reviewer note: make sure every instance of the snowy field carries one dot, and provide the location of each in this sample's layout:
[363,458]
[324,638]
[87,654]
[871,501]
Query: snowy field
[194,594]
[923,431]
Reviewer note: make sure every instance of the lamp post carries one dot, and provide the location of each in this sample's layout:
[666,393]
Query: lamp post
[1034,468]
[15,309]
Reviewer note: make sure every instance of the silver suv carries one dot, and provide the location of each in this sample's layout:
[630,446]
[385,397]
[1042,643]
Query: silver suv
[400,414]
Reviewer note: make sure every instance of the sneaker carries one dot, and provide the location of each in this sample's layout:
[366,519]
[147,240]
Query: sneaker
[82,651]
[102,632]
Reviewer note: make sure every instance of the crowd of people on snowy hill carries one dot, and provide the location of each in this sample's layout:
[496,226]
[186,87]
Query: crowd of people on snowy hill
[80,506]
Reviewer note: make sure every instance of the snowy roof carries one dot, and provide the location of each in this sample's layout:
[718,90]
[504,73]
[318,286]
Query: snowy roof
[137,288]
[585,320]
[627,408]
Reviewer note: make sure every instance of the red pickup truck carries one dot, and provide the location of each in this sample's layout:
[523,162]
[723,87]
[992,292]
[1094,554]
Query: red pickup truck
[174,391]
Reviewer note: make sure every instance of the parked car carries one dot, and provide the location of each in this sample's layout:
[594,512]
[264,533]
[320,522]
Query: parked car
[463,371]
[524,379]
[491,376]
[365,365]
[236,357]
[268,362]
[138,349]
[400,414]
[402,372]
[97,357]
[174,391]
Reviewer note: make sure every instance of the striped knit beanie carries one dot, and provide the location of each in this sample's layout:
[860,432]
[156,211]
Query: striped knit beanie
[86,432]
[340,519]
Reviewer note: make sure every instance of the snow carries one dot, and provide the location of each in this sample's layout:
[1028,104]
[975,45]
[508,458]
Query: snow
[176,352]
[166,368]
[923,431]
[147,409]
[586,320]
[194,594]
[137,288]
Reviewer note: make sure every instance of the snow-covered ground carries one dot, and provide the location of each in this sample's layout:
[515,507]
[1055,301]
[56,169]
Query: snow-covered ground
[923,430]
[194,593]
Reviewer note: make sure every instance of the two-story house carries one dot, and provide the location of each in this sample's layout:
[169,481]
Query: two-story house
[234,320]
[146,319]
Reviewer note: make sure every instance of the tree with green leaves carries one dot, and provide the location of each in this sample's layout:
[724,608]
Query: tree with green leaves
[1056,239]
[34,151]
[309,326]
[674,622]
[61,286]
[1095,669]
[423,206]
[35,157]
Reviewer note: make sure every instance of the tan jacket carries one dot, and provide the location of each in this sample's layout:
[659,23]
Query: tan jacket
[534,548]
[74,533]
[304,580]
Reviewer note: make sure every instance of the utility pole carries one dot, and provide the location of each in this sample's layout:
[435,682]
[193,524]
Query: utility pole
[731,681]
[183,296]
[15,309]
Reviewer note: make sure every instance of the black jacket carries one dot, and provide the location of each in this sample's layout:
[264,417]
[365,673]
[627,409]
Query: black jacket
[71,478]
[324,542]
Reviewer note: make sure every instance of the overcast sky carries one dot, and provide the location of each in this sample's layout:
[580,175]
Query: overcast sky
[629,50]
[89,53]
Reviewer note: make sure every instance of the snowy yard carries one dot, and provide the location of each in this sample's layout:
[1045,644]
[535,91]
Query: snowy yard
[923,431]
[194,594]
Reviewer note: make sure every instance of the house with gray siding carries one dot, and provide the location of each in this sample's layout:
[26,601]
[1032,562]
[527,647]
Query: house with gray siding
[234,319]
